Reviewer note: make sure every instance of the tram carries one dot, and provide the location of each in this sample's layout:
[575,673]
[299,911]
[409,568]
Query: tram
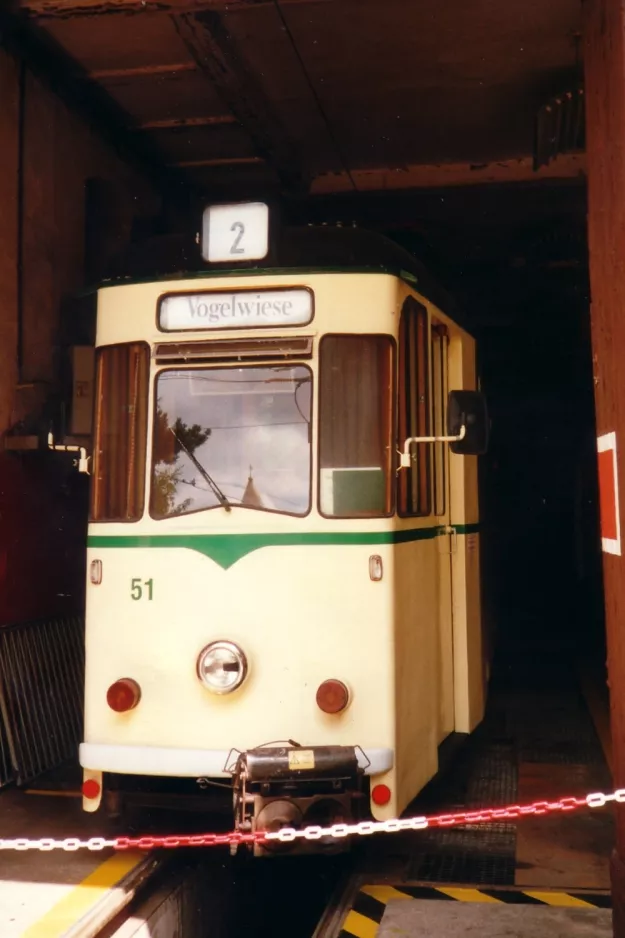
[283,589]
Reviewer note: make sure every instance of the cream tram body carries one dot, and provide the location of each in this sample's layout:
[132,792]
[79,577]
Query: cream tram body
[387,602]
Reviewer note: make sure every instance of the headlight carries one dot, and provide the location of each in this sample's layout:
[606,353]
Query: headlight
[222,667]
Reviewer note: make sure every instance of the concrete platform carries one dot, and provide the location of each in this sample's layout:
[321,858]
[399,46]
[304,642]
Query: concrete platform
[383,910]
[543,875]
[44,894]
[421,918]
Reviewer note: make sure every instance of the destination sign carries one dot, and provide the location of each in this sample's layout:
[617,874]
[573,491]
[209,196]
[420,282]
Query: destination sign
[235,310]
[237,232]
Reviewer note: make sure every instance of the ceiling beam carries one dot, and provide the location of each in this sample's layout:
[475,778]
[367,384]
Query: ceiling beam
[212,47]
[64,9]
[141,71]
[177,123]
[220,161]
[422,176]
[66,78]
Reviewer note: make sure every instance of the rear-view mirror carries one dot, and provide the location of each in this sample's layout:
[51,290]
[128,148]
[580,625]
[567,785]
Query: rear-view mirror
[468,409]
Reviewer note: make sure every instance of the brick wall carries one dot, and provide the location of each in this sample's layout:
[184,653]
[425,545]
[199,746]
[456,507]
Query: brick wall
[47,154]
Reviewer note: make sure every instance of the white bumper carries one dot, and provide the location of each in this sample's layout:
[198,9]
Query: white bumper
[192,763]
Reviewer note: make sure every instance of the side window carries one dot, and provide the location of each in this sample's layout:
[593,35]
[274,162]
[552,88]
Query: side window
[414,409]
[119,453]
[356,426]
[439,400]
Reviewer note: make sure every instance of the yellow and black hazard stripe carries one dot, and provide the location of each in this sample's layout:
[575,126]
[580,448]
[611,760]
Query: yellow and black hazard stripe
[368,908]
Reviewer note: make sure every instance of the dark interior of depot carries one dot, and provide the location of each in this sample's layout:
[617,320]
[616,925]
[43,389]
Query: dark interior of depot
[517,264]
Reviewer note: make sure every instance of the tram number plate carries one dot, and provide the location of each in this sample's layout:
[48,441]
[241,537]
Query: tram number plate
[238,232]
[301,759]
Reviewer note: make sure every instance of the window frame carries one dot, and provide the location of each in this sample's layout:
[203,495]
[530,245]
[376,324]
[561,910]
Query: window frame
[99,351]
[439,335]
[392,462]
[206,366]
[416,310]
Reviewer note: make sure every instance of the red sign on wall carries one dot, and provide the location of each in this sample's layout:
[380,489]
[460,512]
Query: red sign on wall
[608,494]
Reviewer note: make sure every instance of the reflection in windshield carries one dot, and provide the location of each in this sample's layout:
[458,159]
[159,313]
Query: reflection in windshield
[200,468]
[249,429]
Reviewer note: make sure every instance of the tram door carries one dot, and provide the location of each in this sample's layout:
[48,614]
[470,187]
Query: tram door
[447,543]
[423,498]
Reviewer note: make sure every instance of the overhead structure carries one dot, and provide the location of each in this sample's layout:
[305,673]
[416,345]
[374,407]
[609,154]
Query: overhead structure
[296,97]
[213,50]
[43,9]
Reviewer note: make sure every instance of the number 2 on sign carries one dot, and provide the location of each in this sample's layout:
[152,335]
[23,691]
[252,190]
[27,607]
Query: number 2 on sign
[240,227]
[137,588]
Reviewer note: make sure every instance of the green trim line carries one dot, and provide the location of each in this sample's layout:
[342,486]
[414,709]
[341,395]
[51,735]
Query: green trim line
[227,549]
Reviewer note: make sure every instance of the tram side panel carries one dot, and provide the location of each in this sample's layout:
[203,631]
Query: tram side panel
[417,663]
[469,663]
[432,663]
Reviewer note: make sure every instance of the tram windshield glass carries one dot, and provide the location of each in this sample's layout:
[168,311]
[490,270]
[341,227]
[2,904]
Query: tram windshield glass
[232,436]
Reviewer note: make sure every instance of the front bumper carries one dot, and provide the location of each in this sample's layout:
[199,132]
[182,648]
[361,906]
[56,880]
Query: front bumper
[169,762]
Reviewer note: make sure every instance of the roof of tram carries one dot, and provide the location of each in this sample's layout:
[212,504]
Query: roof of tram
[310,249]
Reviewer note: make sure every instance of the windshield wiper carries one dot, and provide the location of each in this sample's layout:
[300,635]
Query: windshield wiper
[219,495]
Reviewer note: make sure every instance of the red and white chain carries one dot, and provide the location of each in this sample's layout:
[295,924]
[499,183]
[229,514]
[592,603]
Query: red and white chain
[314,832]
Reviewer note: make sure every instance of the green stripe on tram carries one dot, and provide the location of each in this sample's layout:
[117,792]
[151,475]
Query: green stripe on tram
[227,549]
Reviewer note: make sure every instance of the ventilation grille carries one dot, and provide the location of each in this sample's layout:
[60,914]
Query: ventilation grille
[277,349]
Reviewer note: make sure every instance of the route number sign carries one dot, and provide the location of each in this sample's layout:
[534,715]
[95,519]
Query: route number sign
[237,232]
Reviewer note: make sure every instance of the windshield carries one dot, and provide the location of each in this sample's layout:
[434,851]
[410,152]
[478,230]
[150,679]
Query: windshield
[232,436]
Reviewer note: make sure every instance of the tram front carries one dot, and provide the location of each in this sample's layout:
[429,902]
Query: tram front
[238,622]
[261,610]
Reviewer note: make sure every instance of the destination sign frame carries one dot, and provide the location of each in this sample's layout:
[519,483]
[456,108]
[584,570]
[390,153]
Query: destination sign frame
[212,311]
[235,232]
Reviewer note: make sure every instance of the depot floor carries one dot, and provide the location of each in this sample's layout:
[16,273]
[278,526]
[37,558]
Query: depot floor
[544,737]
[43,894]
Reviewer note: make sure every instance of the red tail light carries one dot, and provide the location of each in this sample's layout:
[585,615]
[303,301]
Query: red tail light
[123,695]
[381,795]
[332,696]
[90,788]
